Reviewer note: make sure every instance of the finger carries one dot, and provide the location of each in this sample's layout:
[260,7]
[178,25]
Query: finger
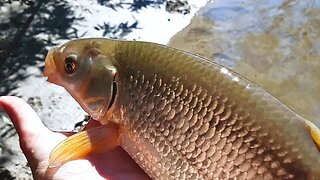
[28,126]
[24,118]
[117,164]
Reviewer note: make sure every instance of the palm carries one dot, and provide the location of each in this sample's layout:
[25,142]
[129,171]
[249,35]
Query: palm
[37,141]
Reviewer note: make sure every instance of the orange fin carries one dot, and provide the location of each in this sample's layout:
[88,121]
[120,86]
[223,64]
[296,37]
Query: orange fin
[77,146]
[314,132]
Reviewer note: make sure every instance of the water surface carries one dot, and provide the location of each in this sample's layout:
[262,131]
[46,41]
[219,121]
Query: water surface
[274,43]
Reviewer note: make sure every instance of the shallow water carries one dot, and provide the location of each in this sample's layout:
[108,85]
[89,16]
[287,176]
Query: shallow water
[274,43]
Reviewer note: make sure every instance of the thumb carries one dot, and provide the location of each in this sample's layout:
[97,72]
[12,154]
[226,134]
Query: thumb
[28,125]
[24,118]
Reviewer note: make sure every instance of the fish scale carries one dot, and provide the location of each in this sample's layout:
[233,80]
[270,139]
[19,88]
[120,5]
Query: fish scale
[230,129]
[182,116]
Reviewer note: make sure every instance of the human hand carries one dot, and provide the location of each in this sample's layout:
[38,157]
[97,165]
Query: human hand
[37,141]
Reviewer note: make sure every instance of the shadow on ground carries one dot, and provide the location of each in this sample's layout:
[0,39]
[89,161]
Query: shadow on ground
[26,28]
[122,29]
[117,31]
[136,5]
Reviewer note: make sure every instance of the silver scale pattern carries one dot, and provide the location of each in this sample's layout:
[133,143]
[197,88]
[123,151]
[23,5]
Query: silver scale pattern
[190,132]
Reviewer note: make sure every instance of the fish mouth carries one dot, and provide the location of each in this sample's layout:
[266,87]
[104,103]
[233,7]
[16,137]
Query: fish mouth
[50,69]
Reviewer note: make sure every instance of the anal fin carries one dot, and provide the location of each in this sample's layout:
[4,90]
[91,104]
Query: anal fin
[77,146]
[314,132]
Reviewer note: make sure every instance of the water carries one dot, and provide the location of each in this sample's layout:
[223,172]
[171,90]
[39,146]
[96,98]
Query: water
[273,43]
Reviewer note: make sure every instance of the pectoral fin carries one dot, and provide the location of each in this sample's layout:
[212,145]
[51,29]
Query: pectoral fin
[314,132]
[77,146]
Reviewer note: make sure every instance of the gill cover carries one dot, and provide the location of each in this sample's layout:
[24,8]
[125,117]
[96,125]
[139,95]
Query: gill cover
[99,89]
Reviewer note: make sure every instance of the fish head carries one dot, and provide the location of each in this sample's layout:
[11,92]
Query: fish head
[85,72]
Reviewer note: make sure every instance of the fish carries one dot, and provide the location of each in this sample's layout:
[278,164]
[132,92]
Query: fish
[179,115]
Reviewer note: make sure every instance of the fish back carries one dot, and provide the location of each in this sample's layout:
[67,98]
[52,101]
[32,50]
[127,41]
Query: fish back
[186,117]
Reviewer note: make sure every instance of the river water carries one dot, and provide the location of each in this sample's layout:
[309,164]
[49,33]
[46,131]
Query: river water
[274,43]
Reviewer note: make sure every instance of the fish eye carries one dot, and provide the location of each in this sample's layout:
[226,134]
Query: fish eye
[70,64]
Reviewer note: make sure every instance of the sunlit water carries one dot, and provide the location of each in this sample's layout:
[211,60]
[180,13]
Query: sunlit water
[273,43]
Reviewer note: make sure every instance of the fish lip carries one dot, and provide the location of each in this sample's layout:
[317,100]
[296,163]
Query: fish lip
[50,67]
